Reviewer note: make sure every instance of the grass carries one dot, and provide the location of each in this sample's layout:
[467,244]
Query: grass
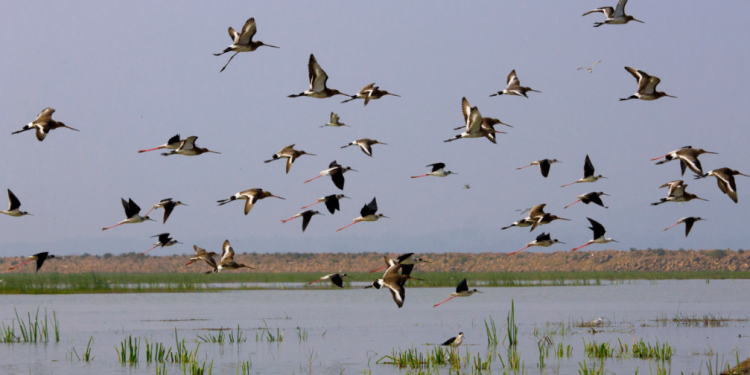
[491,332]
[707,320]
[512,327]
[129,350]
[56,283]
[31,331]
[646,351]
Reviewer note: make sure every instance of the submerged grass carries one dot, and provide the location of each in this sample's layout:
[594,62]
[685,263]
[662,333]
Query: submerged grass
[57,283]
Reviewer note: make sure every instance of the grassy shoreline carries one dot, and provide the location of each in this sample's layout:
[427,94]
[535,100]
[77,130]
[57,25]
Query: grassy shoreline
[57,283]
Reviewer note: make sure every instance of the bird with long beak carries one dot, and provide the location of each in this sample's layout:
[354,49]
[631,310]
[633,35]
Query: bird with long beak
[513,87]
[681,198]
[365,145]
[462,290]
[615,16]
[305,215]
[172,144]
[370,92]
[243,41]
[675,188]
[188,148]
[208,257]
[543,164]
[227,259]
[14,206]
[334,122]
[598,235]
[168,205]
[318,79]
[407,262]
[688,157]
[588,173]
[250,196]
[164,241]
[394,281]
[132,213]
[535,213]
[44,124]
[592,197]
[543,240]
[331,201]
[474,124]
[336,171]
[488,128]
[39,258]
[725,180]
[646,86]
[689,221]
[367,213]
[438,170]
[337,279]
[290,154]
[545,219]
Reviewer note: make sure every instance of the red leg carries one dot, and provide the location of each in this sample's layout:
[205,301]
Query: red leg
[111,226]
[518,251]
[572,204]
[309,205]
[149,249]
[150,149]
[11,268]
[423,175]
[444,301]
[313,179]
[347,226]
[381,268]
[580,247]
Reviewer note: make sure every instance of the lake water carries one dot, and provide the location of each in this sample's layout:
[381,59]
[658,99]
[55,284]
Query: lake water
[348,330]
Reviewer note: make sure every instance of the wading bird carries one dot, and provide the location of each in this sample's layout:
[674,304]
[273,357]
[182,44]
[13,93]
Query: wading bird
[318,79]
[438,170]
[543,164]
[306,216]
[44,124]
[243,41]
[592,197]
[164,241]
[331,201]
[591,69]
[646,86]
[488,128]
[39,258]
[543,240]
[337,279]
[370,92]
[334,122]
[208,257]
[545,219]
[407,262]
[14,206]
[132,213]
[513,87]
[462,290]
[454,341]
[250,196]
[475,126]
[336,171]
[367,213]
[188,148]
[227,259]
[365,145]
[598,235]
[725,180]
[288,153]
[394,282]
[679,198]
[688,157]
[172,144]
[689,221]
[614,16]
[168,205]
[588,173]
[534,213]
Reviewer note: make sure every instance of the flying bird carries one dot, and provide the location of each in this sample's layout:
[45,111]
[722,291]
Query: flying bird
[168,205]
[588,173]
[677,193]
[688,157]
[164,241]
[725,180]
[318,79]
[534,214]
[689,221]
[614,16]
[367,213]
[513,87]
[336,171]
[462,290]
[288,153]
[227,259]
[43,124]
[131,213]
[394,282]
[365,145]
[591,69]
[646,86]
[250,196]
[676,187]
[306,216]
[331,201]
[592,197]
[543,240]
[208,257]
[38,257]
[334,121]
[14,206]
[337,279]
[475,126]
[188,148]
[407,262]
[369,92]
[543,164]
[598,235]
[438,170]
[243,41]
[172,144]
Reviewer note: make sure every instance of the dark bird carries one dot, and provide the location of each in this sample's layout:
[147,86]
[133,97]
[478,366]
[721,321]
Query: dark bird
[689,221]
[337,279]
[543,164]
[14,206]
[599,232]
[168,205]
[306,216]
[336,171]
[588,173]
[331,201]
[592,197]
[462,290]
[39,258]
[725,180]
[164,241]
[438,170]
[367,213]
[646,86]
[132,213]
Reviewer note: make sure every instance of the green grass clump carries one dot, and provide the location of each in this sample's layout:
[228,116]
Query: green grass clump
[128,350]
[512,327]
[646,351]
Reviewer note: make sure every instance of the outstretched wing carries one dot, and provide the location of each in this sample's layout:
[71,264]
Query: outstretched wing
[620,10]
[513,79]
[45,115]
[248,31]
[318,77]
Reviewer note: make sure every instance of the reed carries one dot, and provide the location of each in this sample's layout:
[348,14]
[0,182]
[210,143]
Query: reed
[596,350]
[128,352]
[244,368]
[585,370]
[512,327]
[414,359]
[156,352]
[238,337]
[161,370]
[32,331]
[87,357]
[193,368]
[301,334]
[215,339]
[646,351]
[491,332]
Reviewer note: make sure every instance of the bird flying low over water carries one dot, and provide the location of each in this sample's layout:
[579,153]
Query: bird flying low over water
[243,41]
[44,124]
[208,257]
[513,87]
[168,205]
[599,232]
[336,171]
[462,290]
[614,16]
[188,148]
[14,206]
[38,257]
[365,145]
[438,170]
[367,213]
[306,216]
[369,92]
[132,213]
[164,241]
[592,197]
[688,157]
[725,180]
[588,173]
[250,196]
[172,144]
[543,164]
[337,279]
[318,79]
[227,259]
[290,154]
[331,201]
[646,86]
[393,281]
[407,262]
[689,221]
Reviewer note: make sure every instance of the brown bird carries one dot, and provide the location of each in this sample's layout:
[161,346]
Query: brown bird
[684,197]
[370,92]
[676,187]
[646,86]
[188,148]
[534,213]
[725,180]
[43,124]
[250,196]
[545,219]
[208,257]
[688,157]
[365,145]
[227,259]
[290,154]
[615,16]
[243,41]
[318,79]
[513,87]
[393,281]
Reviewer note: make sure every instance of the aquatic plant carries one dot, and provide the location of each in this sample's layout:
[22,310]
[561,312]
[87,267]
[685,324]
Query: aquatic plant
[301,334]
[244,368]
[584,370]
[128,350]
[596,350]
[238,338]
[32,331]
[646,351]
[491,332]
[216,339]
[512,327]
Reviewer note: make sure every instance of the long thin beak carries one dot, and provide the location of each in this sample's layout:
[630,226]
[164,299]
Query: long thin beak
[561,218]
[278,197]
[666,94]
[607,195]
[311,154]
[215,152]
[454,173]
[561,242]
[381,143]
[345,197]
[710,152]
[742,174]
[179,242]
[479,292]
[604,177]
[638,20]
[354,170]
[615,241]
[150,219]
[268,45]
[385,217]
[70,128]
[184,204]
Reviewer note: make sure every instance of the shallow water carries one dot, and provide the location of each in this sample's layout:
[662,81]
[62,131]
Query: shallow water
[348,330]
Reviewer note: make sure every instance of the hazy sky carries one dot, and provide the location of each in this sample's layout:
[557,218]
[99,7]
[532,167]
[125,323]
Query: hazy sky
[130,75]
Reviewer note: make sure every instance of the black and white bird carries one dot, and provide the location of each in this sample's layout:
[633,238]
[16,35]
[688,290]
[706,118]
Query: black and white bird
[393,281]
[367,213]
[331,201]
[14,206]
[306,216]
[243,41]
[462,290]
[43,124]
[38,257]
[250,196]
[407,262]
[188,148]
[646,86]
[164,241]
[337,279]
[543,164]
[290,154]
[615,16]
[454,341]
[598,235]
[438,170]
[725,180]
[513,87]
[588,173]
[172,144]
[336,171]
[318,79]
[365,145]
[369,92]
[688,157]
[132,213]
[592,197]
[168,205]
[689,221]
[542,240]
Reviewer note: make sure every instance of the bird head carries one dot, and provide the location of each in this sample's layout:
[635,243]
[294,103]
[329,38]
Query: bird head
[475,291]
[178,203]
[349,169]
[340,196]
[600,176]
[146,218]
[558,241]
[554,161]
[381,216]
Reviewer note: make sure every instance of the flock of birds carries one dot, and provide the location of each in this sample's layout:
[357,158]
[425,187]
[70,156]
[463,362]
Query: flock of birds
[398,271]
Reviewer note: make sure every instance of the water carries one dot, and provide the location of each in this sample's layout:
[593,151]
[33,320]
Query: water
[348,330]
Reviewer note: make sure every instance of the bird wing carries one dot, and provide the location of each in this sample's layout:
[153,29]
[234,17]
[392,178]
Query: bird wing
[333,164]
[318,77]
[248,31]
[597,228]
[45,115]
[163,237]
[537,210]
[620,10]
[337,280]
[512,79]
[543,237]
[475,121]
[289,161]
[592,65]
[728,186]
[370,208]
[466,110]
[688,226]
[608,11]
[40,258]
[332,203]
[693,163]
[14,203]
[306,216]
[636,73]
[42,129]
[198,250]
[651,84]
[251,199]
[404,257]
[167,211]
[234,35]
[365,146]
[538,221]
[588,167]
[437,166]
[334,118]
[133,208]
[174,139]
[544,166]
[683,166]
[398,292]
[366,88]
[448,342]
[227,253]
[289,148]
[462,286]
[210,261]
[338,179]
[187,143]
[595,198]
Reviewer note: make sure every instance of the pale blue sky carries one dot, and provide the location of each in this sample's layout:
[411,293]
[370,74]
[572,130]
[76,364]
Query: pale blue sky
[130,75]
